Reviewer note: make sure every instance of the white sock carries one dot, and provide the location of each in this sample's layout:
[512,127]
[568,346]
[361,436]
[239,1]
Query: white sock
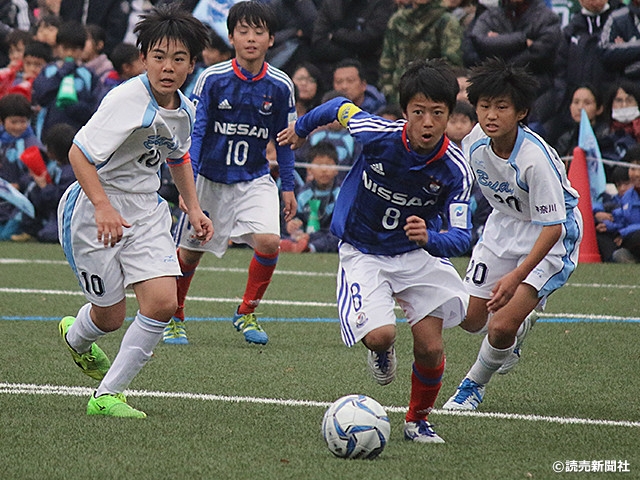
[136,349]
[83,332]
[489,360]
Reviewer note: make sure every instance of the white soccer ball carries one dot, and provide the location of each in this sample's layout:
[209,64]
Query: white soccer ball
[356,426]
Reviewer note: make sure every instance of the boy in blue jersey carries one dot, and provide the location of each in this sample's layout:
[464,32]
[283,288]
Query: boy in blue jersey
[241,104]
[387,217]
[529,245]
[113,227]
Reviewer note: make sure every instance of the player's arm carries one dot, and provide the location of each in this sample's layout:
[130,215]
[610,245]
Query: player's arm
[339,108]
[182,175]
[108,219]
[506,287]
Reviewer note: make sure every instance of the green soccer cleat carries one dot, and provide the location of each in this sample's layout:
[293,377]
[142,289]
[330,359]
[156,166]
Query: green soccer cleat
[93,363]
[175,333]
[113,406]
[248,324]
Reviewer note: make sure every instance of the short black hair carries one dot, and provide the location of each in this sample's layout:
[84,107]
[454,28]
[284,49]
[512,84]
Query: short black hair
[58,140]
[218,43]
[466,109]
[39,50]
[351,62]
[323,148]
[16,36]
[71,34]
[14,105]
[495,78]
[432,78]
[632,155]
[171,22]
[97,33]
[122,54]
[255,13]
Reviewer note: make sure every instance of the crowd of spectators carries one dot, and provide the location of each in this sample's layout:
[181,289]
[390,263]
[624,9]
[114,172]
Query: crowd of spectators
[588,59]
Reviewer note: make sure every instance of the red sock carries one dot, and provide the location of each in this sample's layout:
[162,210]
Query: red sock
[425,385]
[184,281]
[260,272]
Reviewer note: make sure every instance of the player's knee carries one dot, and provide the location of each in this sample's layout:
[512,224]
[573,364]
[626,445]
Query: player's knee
[502,331]
[429,354]
[380,339]
[163,309]
[267,244]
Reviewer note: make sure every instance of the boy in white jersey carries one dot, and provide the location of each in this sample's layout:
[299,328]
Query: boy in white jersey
[530,241]
[114,228]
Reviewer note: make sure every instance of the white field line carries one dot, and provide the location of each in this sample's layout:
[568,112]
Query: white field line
[14,261]
[577,316]
[31,389]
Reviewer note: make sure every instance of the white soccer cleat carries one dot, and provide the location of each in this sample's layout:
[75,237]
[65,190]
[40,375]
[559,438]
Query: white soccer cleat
[382,365]
[468,396]
[421,432]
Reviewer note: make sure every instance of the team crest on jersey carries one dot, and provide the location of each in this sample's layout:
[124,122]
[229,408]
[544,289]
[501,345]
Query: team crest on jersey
[266,107]
[361,319]
[433,186]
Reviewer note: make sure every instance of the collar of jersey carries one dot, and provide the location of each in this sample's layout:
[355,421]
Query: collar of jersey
[239,71]
[439,153]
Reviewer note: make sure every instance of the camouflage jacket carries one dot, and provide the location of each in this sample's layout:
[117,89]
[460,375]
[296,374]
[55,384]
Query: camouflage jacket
[427,31]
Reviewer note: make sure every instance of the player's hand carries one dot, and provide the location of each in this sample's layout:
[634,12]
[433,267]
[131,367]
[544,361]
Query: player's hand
[416,230]
[288,136]
[110,225]
[503,291]
[181,205]
[202,226]
[290,205]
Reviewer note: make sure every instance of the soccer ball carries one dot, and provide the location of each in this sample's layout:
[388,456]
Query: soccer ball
[356,426]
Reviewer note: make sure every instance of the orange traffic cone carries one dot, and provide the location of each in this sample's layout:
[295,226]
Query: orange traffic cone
[579,178]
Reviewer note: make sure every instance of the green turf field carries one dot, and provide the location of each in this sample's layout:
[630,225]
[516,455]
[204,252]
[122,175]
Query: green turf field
[220,408]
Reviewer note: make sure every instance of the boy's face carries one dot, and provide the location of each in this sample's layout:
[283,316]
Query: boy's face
[251,42]
[15,125]
[16,52]
[458,127]
[47,34]
[323,170]
[498,116]
[32,66]
[211,56]
[133,69]
[426,123]
[168,63]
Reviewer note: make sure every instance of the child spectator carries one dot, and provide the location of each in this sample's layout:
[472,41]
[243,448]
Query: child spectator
[47,31]
[44,194]
[626,218]
[602,213]
[36,56]
[462,120]
[216,51]
[309,229]
[16,135]
[125,58]
[74,100]
[17,41]
[93,54]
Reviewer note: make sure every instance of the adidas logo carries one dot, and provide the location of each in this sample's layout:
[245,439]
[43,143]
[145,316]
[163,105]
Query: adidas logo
[224,105]
[377,167]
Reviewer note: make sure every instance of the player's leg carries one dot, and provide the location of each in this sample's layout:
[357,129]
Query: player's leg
[175,332]
[157,301]
[496,347]
[426,379]
[257,223]
[366,310]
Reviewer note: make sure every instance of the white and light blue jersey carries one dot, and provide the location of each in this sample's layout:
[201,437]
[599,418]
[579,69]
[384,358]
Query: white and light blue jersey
[390,182]
[236,116]
[130,136]
[531,185]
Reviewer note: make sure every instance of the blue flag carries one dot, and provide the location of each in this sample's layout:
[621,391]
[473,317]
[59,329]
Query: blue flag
[587,141]
[14,197]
